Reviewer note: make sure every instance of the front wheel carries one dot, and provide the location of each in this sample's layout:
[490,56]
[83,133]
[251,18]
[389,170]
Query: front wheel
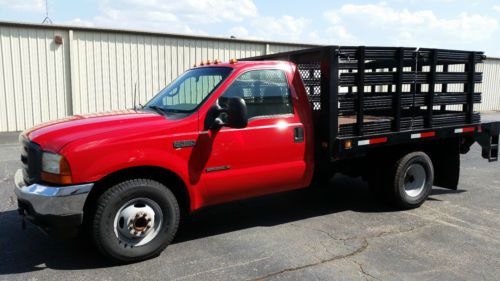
[135,220]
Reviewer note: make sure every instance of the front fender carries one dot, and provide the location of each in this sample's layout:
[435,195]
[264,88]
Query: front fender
[93,160]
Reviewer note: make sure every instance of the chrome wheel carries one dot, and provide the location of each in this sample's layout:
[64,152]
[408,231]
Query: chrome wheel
[138,222]
[414,180]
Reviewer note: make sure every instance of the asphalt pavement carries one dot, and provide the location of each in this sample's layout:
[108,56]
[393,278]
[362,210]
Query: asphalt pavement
[338,232]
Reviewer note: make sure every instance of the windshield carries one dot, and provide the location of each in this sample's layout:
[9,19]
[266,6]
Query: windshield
[189,90]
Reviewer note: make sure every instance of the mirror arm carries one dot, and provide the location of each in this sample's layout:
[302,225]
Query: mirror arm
[217,124]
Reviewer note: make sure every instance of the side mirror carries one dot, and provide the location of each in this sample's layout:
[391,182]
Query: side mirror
[233,114]
[237,116]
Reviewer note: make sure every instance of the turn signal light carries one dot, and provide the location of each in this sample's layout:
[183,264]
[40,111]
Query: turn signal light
[57,179]
[216,61]
[233,61]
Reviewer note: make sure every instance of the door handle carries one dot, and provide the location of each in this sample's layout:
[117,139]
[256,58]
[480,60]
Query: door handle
[298,134]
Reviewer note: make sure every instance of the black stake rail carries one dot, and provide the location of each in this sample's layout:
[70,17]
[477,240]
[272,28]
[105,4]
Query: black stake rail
[385,101]
[385,78]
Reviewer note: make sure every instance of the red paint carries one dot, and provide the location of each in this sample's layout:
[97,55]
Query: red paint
[469,130]
[262,158]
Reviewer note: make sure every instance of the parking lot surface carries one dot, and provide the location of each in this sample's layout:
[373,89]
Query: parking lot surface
[337,232]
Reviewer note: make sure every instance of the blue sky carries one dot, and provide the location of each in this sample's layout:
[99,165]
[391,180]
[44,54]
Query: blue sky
[455,24]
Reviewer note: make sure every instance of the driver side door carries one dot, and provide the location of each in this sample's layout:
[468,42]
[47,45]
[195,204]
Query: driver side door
[265,157]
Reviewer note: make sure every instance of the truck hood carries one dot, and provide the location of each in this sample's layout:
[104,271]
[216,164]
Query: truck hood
[54,135]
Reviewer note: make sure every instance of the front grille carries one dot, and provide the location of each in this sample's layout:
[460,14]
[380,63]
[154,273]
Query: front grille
[31,158]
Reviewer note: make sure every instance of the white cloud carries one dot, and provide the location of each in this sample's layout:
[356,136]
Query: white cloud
[194,11]
[282,28]
[332,17]
[26,5]
[340,35]
[377,23]
[187,16]
[238,31]
[496,8]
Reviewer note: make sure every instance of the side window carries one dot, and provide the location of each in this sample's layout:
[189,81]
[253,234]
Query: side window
[265,92]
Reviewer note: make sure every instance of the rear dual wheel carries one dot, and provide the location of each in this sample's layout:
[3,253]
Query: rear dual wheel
[408,182]
[135,220]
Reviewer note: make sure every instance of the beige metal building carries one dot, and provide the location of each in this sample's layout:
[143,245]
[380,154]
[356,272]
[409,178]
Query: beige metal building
[50,71]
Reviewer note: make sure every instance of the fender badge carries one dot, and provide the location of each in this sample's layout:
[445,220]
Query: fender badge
[184,143]
[219,168]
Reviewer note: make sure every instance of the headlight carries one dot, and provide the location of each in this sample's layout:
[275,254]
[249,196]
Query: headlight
[55,168]
[51,163]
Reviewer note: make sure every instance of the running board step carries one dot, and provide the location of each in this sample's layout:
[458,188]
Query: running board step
[490,152]
[488,139]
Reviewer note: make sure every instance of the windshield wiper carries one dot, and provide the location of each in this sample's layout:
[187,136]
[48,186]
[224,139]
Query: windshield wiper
[158,109]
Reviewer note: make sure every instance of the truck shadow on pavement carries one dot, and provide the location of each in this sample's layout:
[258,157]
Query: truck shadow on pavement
[30,250]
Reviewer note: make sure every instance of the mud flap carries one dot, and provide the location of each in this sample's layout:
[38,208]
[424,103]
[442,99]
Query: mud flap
[446,162]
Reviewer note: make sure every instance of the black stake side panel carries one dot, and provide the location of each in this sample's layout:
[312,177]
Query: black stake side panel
[385,90]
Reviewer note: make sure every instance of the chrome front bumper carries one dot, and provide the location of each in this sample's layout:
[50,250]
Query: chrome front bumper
[52,200]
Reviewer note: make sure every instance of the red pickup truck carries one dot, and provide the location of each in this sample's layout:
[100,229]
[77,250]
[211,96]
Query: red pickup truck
[228,131]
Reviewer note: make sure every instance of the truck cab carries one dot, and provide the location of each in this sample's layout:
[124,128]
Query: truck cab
[219,132]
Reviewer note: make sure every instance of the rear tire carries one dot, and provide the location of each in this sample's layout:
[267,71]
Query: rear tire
[135,220]
[413,180]
[406,183]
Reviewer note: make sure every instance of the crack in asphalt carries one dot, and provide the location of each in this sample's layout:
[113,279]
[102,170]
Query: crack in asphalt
[339,257]
[364,272]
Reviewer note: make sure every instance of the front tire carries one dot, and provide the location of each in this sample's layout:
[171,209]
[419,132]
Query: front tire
[135,220]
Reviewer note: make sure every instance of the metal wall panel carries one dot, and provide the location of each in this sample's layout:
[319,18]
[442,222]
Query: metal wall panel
[490,86]
[33,77]
[107,68]
[277,48]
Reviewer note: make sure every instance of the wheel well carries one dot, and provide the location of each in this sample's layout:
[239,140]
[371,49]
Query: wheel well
[443,153]
[164,176]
